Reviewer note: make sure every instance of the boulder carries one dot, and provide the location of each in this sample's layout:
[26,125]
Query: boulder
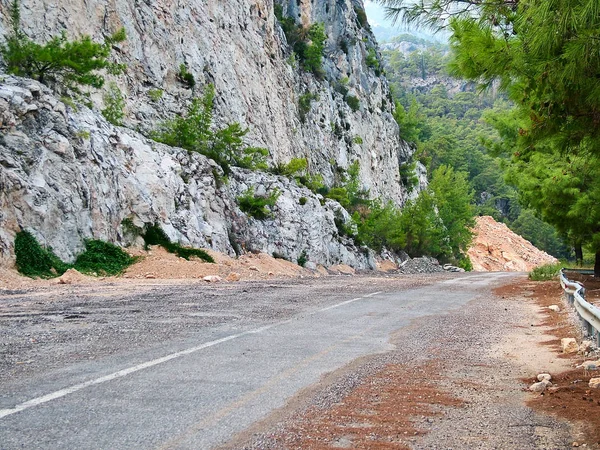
[585,347]
[595,383]
[233,276]
[554,308]
[212,278]
[569,345]
[544,377]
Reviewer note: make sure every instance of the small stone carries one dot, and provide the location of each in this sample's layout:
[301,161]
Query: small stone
[585,347]
[254,268]
[271,274]
[233,276]
[554,308]
[569,345]
[151,276]
[544,376]
[538,387]
[575,444]
[595,383]
[212,278]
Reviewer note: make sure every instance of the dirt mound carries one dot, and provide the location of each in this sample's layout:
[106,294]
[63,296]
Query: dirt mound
[158,263]
[496,248]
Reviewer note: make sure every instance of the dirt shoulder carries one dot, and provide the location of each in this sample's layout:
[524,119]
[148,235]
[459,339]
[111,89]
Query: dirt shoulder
[456,381]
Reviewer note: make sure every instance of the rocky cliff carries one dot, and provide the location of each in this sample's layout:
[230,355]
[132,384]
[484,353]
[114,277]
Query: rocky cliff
[68,175]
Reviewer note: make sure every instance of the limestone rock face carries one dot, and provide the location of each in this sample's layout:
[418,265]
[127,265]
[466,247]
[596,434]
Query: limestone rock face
[68,175]
[239,47]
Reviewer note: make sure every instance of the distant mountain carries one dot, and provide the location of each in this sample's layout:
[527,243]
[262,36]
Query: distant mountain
[385,30]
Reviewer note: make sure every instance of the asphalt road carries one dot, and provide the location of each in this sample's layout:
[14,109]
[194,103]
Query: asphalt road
[190,366]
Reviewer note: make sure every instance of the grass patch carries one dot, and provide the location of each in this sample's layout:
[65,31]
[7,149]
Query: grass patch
[545,273]
[154,235]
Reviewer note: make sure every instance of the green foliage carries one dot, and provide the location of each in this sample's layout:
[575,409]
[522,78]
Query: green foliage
[102,258]
[372,61]
[155,94]
[295,167]
[304,105]
[154,235]
[453,198]
[353,102]
[259,207]
[302,259]
[307,44]
[83,134]
[357,140]
[114,104]
[544,56]
[545,273]
[194,132]
[408,175]
[313,54]
[302,201]
[33,260]
[186,77]
[59,62]
[99,258]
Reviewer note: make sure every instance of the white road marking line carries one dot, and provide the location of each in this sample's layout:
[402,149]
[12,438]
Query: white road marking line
[121,373]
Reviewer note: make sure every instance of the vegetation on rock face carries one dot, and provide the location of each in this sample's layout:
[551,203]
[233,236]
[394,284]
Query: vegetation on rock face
[114,104]
[153,234]
[543,54]
[59,63]
[307,43]
[99,258]
[195,132]
[258,206]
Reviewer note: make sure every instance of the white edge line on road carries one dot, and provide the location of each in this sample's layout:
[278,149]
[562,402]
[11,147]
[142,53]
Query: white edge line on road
[121,373]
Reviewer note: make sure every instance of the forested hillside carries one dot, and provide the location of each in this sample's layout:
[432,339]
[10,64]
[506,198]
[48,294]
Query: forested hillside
[450,120]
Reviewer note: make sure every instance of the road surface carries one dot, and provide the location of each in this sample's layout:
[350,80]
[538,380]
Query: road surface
[175,366]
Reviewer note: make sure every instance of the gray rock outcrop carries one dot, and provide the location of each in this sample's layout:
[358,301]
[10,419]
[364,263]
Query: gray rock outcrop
[69,175]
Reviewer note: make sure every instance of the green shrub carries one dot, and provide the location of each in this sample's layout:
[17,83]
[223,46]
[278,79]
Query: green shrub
[353,102]
[154,235]
[35,261]
[341,86]
[357,140]
[186,77]
[61,62]
[313,182]
[155,94]
[114,102]
[302,259]
[193,132]
[102,258]
[545,272]
[302,201]
[305,104]
[313,54]
[258,207]
[373,61]
[294,167]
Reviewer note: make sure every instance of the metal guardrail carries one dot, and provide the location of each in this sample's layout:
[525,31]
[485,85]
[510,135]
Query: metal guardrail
[588,313]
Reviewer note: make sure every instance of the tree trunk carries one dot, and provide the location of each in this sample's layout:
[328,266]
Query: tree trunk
[578,254]
[597,265]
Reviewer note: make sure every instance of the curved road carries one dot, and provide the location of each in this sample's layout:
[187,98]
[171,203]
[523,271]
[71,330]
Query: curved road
[189,366]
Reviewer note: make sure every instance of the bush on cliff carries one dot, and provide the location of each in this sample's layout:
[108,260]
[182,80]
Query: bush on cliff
[59,62]
[194,132]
